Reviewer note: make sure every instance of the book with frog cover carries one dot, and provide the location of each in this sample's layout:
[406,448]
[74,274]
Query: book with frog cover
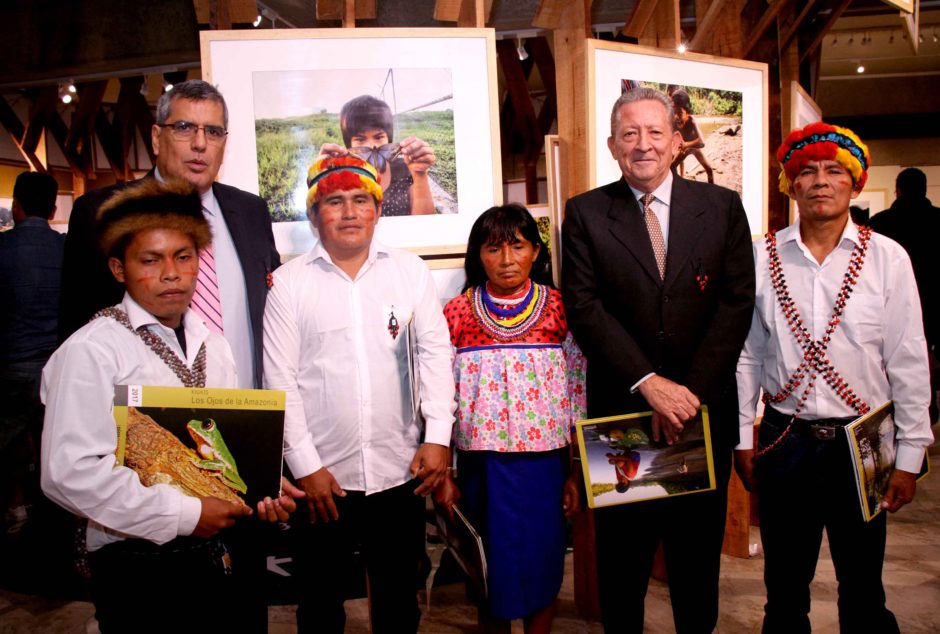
[223,443]
[622,463]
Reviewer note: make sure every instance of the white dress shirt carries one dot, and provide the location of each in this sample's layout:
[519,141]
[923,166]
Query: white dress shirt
[327,345]
[878,347]
[233,294]
[79,437]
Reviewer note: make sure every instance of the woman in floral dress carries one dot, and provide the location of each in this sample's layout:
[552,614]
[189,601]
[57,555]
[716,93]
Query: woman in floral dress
[520,386]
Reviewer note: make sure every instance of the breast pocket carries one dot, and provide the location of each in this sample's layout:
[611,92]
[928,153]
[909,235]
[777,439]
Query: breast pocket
[862,318]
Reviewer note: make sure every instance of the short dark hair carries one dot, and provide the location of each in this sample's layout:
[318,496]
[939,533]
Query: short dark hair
[911,183]
[641,94]
[365,113]
[36,192]
[194,90]
[497,225]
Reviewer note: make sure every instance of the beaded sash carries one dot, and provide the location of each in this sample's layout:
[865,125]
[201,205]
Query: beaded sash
[190,378]
[815,359]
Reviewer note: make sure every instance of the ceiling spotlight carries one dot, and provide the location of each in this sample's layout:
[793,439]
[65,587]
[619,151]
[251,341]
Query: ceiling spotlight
[860,69]
[520,50]
[835,40]
[71,88]
[920,38]
[935,36]
[891,39]
[167,86]
[851,39]
[682,48]
[66,90]
[257,21]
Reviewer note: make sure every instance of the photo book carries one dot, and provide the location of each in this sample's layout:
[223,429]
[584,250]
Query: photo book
[622,463]
[222,443]
[466,545]
[873,450]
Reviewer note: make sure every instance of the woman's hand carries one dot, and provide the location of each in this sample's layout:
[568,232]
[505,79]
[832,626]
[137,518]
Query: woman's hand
[418,155]
[571,496]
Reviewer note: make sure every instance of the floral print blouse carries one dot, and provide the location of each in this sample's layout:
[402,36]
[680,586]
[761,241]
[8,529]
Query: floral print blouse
[521,395]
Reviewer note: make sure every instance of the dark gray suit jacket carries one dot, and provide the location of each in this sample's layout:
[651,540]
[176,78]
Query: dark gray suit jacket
[88,286]
[689,327]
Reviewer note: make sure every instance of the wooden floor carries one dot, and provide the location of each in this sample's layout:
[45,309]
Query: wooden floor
[911,574]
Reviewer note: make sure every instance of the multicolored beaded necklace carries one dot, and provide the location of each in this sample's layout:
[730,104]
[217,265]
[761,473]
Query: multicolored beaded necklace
[508,318]
[815,361]
[190,378]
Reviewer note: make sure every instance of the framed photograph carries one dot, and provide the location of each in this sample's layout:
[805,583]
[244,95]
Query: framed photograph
[556,206]
[380,93]
[622,463]
[550,232]
[724,102]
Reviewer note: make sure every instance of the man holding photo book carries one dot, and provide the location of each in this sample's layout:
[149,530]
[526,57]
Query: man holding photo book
[833,336]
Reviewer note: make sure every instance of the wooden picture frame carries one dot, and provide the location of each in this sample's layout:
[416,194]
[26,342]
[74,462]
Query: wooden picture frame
[556,205]
[611,64]
[290,64]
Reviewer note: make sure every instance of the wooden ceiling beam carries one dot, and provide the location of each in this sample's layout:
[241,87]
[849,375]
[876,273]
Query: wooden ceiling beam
[640,17]
[15,128]
[767,19]
[815,40]
[551,14]
[703,27]
[78,143]
[339,10]
[787,36]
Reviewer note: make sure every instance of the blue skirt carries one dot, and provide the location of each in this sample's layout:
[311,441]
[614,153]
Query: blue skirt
[515,502]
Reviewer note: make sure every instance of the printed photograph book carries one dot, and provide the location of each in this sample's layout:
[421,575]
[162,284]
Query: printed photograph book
[206,442]
[873,449]
[622,463]
[466,545]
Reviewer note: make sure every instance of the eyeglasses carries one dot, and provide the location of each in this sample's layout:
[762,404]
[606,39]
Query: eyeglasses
[186,130]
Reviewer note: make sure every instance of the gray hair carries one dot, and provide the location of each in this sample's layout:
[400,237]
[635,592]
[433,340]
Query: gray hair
[194,90]
[641,94]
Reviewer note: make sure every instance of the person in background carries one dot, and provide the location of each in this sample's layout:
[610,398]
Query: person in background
[156,554]
[30,272]
[368,131]
[520,382]
[342,326]
[658,285]
[912,221]
[831,338]
[692,140]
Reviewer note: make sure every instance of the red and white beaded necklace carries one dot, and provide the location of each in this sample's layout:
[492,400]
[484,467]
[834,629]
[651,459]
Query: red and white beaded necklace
[815,360]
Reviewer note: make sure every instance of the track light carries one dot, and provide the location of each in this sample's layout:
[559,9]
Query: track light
[257,21]
[860,69]
[682,48]
[851,39]
[935,36]
[520,50]
[835,40]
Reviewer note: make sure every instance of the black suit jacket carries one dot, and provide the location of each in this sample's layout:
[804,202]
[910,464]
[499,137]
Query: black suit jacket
[630,323]
[88,286]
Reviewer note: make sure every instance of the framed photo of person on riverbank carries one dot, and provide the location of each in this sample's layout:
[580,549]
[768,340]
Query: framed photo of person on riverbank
[721,112]
[420,104]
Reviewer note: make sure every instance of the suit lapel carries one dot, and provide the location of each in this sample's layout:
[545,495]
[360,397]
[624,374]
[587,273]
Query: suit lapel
[629,228]
[685,229]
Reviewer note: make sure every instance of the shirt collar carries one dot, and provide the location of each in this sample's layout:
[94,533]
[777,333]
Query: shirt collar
[208,199]
[319,252]
[792,233]
[663,193]
[138,316]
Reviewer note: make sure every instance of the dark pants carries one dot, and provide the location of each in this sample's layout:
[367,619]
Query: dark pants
[691,528]
[387,528]
[805,485]
[181,586]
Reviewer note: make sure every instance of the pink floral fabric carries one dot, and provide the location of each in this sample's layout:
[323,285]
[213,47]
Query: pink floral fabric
[518,396]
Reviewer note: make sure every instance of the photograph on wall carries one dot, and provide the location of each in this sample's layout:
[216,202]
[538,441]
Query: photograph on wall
[384,116]
[709,121]
[722,108]
[205,442]
[424,103]
[623,463]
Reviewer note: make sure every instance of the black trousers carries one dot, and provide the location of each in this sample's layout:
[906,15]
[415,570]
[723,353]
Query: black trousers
[691,528]
[387,528]
[804,486]
[181,586]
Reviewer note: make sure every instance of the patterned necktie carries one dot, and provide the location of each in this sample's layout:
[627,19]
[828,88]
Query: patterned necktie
[206,300]
[656,233]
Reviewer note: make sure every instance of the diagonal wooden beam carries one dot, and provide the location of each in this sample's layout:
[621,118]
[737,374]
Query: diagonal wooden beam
[787,36]
[550,14]
[769,18]
[815,41]
[541,53]
[703,27]
[640,16]
[15,128]
[90,96]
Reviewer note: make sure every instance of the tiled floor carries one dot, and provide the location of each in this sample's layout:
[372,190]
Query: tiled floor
[911,574]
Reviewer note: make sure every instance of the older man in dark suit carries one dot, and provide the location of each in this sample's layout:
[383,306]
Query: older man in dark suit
[189,141]
[658,283]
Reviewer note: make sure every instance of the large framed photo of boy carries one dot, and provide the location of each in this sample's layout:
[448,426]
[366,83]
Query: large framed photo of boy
[722,101]
[420,104]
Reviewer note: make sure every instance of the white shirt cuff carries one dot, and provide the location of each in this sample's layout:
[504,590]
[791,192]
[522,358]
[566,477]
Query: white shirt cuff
[303,460]
[190,512]
[637,385]
[909,458]
[438,433]
[745,437]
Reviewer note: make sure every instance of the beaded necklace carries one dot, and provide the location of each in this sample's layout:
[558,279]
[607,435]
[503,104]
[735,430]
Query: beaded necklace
[508,322]
[190,378]
[815,360]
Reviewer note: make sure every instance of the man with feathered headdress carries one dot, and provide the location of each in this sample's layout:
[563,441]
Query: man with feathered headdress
[832,338]
[342,325]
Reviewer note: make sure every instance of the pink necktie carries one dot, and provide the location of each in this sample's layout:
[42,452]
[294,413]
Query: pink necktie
[206,301]
[656,233]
